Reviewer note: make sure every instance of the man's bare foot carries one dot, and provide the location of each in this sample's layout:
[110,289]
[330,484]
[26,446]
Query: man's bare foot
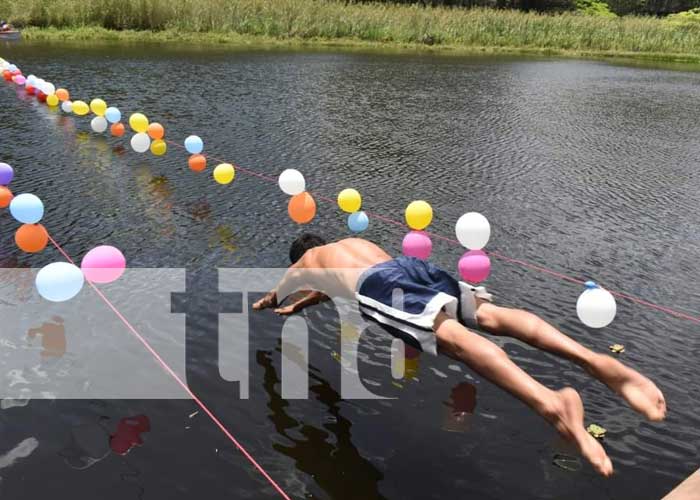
[640,392]
[566,416]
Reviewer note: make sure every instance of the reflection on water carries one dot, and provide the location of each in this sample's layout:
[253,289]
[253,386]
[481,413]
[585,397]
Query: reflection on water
[323,452]
[53,337]
[460,407]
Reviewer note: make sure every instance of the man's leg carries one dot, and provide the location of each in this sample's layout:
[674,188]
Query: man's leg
[563,409]
[638,391]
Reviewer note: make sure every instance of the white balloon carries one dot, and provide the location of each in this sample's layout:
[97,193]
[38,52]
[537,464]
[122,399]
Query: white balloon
[31,80]
[596,307]
[49,88]
[473,231]
[67,106]
[59,281]
[292,182]
[140,142]
[98,124]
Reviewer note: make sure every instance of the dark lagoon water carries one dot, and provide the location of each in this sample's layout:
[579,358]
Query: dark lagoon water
[586,168]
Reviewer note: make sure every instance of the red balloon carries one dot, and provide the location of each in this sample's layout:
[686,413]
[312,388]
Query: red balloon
[5,197]
[32,238]
[7,75]
[29,89]
[40,96]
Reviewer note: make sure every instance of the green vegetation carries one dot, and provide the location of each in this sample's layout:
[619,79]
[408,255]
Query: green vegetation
[339,22]
[594,8]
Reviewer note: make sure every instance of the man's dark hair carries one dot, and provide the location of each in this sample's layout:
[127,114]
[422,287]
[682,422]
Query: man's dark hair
[303,243]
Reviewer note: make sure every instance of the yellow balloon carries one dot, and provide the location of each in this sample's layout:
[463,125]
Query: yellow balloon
[419,215]
[52,100]
[138,122]
[224,173]
[80,108]
[159,147]
[98,106]
[349,200]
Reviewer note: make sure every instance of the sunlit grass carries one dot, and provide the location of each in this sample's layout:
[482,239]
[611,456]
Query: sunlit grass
[300,20]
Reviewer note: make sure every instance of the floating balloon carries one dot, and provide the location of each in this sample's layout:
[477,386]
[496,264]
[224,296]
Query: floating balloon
[7,75]
[11,67]
[156,131]
[32,238]
[194,145]
[292,182]
[52,100]
[48,88]
[5,197]
[29,89]
[80,108]
[62,94]
[419,215]
[41,96]
[19,79]
[197,163]
[67,106]
[6,174]
[159,147]
[417,244]
[98,124]
[59,281]
[113,115]
[98,106]
[349,200]
[31,80]
[473,230]
[596,307]
[103,264]
[140,142]
[302,208]
[474,266]
[138,123]
[117,129]
[358,222]
[224,173]
[27,208]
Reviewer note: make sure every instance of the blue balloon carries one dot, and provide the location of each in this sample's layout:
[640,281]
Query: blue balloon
[27,208]
[194,145]
[358,222]
[59,281]
[113,115]
[12,68]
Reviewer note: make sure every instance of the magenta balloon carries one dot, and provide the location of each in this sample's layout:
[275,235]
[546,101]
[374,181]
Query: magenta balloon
[417,244]
[474,266]
[103,264]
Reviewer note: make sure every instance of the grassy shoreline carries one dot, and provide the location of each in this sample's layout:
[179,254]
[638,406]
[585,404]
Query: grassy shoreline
[337,23]
[236,40]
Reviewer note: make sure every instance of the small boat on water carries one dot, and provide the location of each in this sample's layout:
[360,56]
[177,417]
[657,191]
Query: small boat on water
[10,35]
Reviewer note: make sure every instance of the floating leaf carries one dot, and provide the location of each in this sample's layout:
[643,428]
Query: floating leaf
[617,348]
[596,431]
[567,462]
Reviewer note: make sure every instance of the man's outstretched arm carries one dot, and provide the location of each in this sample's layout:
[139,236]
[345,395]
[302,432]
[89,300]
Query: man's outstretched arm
[292,280]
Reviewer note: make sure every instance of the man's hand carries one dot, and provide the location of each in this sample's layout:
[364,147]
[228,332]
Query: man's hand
[269,300]
[286,310]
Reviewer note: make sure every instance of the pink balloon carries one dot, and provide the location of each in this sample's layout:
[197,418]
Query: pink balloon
[103,264]
[474,266]
[417,244]
[19,79]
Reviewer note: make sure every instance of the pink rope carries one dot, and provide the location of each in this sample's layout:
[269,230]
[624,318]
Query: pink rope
[497,255]
[180,382]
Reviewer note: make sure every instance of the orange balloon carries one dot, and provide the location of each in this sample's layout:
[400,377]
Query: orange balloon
[62,94]
[5,197]
[302,208]
[117,129]
[32,238]
[197,162]
[155,131]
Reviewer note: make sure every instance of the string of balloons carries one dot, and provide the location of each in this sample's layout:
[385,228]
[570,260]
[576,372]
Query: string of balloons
[596,307]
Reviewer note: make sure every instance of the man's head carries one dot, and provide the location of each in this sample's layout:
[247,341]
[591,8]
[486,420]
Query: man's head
[303,243]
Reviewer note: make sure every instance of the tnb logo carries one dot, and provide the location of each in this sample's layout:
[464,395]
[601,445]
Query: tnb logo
[200,323]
